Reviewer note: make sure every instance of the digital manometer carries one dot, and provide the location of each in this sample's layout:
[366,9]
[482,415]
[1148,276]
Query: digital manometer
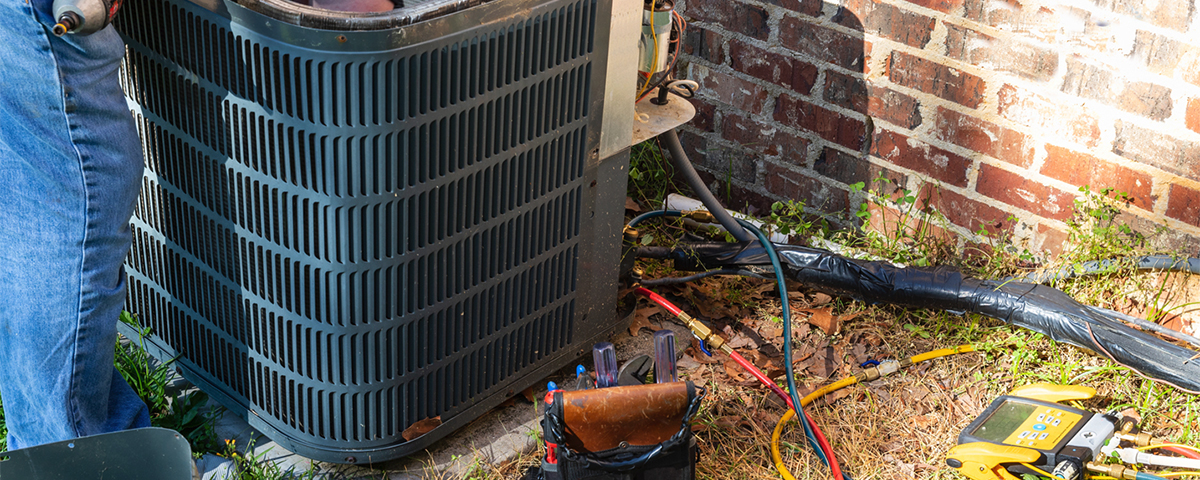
[1029,430]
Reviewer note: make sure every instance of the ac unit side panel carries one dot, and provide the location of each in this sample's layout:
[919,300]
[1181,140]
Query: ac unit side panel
[341,238]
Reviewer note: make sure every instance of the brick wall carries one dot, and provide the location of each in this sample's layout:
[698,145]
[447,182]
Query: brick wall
[991,108]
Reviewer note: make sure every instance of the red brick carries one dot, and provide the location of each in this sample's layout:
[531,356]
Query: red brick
[1026,60]
[909,153]
[1161,55]
[1184,205]
[846,91]
[944,6]
[725,162]
[1049,117]
[932,77]
[851,16]
[851,92]
[1035,21]
[791,184]
[983,137]
[1089,81]
[1146,99]
[1159,238]
[1024,193]
[695,146]
[797,75]
[811,8]
[893,106]
[853,168]
[703,43]
[968,213]
[705,113]
[764,138]
[1158,150]
[1015,147]
[821,43]
[889,220]
[828,124]
[1080,169]
[1098,83]
[733,91]
[1172,14]
[866,58]
[1192,118]
[888,21]
[732,15]
[1189,69]
[1050,239]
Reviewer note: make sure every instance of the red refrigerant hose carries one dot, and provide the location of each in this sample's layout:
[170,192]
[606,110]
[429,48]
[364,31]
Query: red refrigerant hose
[834,466]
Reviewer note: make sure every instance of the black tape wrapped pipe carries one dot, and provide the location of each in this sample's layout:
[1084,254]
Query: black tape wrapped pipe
[1036,307]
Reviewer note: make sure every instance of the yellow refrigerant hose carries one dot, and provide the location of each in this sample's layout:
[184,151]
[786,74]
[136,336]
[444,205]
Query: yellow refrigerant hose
[868,374]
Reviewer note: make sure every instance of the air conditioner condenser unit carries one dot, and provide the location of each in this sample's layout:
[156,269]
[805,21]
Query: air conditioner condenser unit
[350,223]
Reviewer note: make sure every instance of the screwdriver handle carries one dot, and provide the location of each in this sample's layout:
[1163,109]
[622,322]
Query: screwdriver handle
[664,357]
[605,357]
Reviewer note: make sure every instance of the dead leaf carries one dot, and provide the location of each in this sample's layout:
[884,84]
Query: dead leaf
[641,319]
[923,422]
[860,353]
[800,331]
[733,369]
[1132,413]
[821,299]
[820,364]
[421,427]
[823,318]
[732,421]
[772,367]
[742,341]
[848,317]
[631,205]
[686,363]
[803,353]
[838,394]
[528,394]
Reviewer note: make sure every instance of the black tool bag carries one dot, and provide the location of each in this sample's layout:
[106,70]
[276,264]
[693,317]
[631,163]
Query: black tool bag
[622,433]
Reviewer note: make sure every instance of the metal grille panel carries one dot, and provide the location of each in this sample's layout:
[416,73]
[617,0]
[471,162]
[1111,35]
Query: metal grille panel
[345,243]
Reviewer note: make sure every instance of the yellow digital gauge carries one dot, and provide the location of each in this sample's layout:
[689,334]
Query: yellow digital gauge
[1029,427]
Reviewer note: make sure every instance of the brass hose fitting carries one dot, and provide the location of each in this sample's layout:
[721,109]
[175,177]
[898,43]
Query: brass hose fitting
[1113,470]
[704,333]
[703,216]
[631,234]
[1142,439]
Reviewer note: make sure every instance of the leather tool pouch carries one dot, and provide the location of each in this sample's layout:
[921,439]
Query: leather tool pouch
[623,433]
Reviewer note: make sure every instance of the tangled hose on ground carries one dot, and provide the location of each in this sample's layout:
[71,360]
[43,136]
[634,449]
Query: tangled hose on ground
[777,457]
[1040,308]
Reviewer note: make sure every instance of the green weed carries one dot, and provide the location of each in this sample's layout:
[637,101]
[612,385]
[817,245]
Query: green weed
[254,466]
[898,227]
[1093,231]
[789,218]
[649,174]
[185,414]
[3,431]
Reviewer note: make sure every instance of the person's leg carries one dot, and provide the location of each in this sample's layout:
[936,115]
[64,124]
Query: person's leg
[70,170]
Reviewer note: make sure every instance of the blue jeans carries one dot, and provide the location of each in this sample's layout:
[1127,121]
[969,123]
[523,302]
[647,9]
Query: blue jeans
[70,170]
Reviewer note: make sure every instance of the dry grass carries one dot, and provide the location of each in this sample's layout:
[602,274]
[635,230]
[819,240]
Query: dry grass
[899,427]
